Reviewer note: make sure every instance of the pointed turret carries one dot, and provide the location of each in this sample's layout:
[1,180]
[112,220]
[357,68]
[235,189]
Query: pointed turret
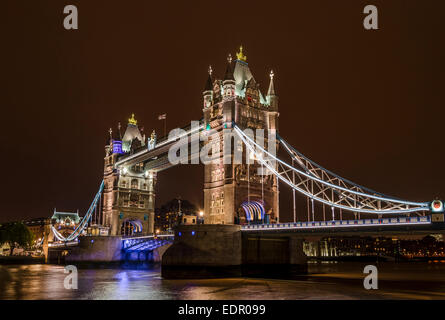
[241,73]
[110,137]
[271,91]
[114,142]
[272,98]
[130,134]
[208,90]
[209,82]
[116,135]
[229,69]
[240,56]
[229,79]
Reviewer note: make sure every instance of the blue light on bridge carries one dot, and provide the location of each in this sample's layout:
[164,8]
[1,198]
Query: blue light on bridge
[117,146]
[179,233]
[193,233]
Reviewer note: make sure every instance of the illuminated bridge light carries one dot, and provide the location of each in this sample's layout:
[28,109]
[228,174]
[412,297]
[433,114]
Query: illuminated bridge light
[437,206]
[254,210]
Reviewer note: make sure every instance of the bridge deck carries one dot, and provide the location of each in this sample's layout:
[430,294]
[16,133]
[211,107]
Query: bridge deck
[365,227]
[340,223]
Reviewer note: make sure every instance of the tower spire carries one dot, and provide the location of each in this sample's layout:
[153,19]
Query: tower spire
[240,56]
[271,91]
[209,84]
[132,120]
[229,70]
[272,97]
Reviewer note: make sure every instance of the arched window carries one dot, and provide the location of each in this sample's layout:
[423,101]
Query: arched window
[134,184]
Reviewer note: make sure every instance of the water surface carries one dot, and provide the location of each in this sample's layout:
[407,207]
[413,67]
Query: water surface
[325,281]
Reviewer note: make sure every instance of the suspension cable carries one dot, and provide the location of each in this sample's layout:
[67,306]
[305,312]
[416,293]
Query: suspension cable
[248,141]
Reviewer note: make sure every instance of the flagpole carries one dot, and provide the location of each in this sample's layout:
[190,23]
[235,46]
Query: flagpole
[164,117]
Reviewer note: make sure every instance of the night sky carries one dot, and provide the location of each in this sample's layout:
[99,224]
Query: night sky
[367,105]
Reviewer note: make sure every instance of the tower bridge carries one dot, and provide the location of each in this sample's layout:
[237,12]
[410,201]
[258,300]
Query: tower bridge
[235,194]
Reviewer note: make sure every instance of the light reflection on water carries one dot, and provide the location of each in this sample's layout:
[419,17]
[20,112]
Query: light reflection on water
[326,281]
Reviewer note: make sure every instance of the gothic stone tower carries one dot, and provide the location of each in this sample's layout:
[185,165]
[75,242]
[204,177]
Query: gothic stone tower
[128,199]
[235,193]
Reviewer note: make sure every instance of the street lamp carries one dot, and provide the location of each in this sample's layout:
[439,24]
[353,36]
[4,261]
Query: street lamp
[201,217]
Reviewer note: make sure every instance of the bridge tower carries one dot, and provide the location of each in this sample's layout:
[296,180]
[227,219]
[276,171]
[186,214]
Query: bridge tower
[235,193]
[128,197]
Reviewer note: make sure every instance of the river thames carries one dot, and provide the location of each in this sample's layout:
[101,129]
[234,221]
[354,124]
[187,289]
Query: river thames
[342,280]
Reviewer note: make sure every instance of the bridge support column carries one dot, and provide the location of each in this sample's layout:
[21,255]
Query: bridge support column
[96,249]
[151,202]
[297,258]
[203,251]
[273,256]
[207,251]
[47,231]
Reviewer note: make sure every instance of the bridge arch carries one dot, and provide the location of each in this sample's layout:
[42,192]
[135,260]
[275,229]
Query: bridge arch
[254,211]
[131,227]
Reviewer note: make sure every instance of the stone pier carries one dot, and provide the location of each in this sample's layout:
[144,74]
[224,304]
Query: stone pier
[97,250]
[204,251]
[210,251]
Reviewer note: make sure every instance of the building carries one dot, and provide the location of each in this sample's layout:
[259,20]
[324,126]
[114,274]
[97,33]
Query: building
[167,215]
[128,197]
[188,219]
[5,249]
[233,193]
[64,222]
[37,227]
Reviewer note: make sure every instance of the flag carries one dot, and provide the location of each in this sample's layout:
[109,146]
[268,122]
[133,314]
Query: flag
[162,116]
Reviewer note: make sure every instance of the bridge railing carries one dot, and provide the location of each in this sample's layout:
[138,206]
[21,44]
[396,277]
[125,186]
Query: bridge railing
[147,242]
[159,235]
[340,223]
[63,244]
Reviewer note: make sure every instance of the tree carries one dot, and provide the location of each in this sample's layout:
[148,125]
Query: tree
[16,234]
[171,209]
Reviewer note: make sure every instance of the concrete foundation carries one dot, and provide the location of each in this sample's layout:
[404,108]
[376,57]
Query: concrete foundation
[273,256]
[106,250]
[97,250]
[146,256]
[209,251]
[203,251]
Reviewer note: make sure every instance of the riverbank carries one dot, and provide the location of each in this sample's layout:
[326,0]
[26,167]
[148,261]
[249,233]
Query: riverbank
[8,260]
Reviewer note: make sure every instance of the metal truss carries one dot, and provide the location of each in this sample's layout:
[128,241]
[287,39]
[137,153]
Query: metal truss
[146,243]
[84,222]
[323,186]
